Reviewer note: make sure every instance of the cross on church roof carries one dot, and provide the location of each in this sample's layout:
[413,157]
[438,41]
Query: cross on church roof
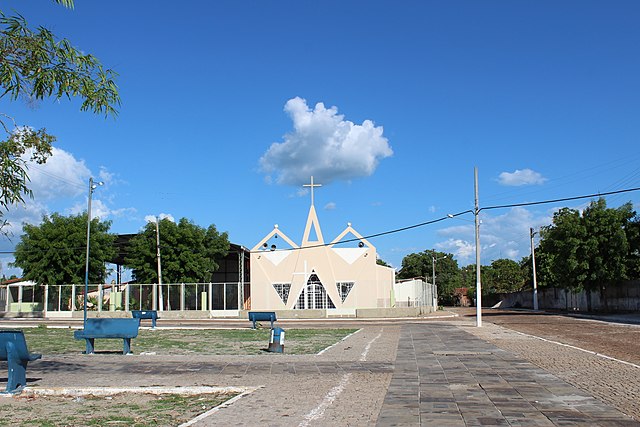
[312,185]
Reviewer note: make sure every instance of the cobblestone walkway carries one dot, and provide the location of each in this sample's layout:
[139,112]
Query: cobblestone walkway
[445,376]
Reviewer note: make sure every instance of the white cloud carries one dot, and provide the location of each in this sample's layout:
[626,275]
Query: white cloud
[503,236]
[330,206]
[152,218]
[61,185]
[105,176]
[521,177]
[61,176]
[462,249]
[324,145]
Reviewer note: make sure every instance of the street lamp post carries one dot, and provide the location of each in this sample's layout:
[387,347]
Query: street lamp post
[533,265]
[434,291]
[92,187]
[159,285]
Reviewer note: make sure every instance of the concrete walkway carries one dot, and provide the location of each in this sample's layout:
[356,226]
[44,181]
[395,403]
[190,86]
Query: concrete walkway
[445,376]
[411,373]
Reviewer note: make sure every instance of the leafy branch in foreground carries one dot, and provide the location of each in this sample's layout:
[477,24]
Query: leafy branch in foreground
[35,65]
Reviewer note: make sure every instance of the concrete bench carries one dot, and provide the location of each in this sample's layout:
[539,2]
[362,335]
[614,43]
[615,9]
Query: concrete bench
[262,316]
[146,314]
[13,350]
[124,329]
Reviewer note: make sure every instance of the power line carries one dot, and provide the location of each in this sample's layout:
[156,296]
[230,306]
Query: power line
[422,224]
[566,199]
[512,205]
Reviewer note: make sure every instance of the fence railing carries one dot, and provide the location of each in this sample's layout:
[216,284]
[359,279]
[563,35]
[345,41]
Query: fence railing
[124,297]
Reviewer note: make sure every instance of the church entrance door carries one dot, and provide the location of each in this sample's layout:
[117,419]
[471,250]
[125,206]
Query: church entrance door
[314,296]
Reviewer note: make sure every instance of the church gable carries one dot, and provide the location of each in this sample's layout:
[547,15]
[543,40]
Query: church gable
[312,233]
[350,255]
[275,240]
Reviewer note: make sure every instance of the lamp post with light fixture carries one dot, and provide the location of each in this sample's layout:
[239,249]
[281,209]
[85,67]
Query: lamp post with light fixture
[92,186]
[533,266]
[434,291]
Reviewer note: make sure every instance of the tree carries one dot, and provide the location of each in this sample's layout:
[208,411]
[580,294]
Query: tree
[188,252]
[606,246]
[564,264]
[416,265]
[35,65]
[54,252]
[589,250]
[633,237]
[503,276]
[447,271]
[382,262]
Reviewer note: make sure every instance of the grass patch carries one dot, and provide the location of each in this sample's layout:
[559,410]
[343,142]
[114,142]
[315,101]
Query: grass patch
[187,341]
[126,409]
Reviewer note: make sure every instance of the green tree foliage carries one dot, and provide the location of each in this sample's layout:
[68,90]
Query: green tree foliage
[564,264]
[54,252]
[633,237]
[588,250]
[35,65]
[447,271]
[188,252]
[503,276]
[606,246]
[382,262]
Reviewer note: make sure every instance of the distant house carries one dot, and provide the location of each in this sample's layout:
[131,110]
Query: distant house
[20,296]
[461,297]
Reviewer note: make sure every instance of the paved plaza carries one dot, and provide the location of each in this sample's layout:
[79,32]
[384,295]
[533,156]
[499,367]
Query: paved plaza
[396,373]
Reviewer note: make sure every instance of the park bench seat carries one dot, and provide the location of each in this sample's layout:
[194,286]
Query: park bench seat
[108,328]
[262,316]
[146,314]
[13,350]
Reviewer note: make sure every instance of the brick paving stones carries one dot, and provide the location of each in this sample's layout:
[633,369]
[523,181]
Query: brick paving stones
[445,376]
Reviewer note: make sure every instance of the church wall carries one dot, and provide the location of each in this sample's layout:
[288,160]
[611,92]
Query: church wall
[373,283]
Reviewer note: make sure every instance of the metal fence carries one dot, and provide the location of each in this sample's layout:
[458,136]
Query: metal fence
[112,297]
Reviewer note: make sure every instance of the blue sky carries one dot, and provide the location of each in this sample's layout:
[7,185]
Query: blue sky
[228,107]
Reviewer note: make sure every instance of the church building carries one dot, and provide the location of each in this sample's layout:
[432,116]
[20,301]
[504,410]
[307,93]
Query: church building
[337,278]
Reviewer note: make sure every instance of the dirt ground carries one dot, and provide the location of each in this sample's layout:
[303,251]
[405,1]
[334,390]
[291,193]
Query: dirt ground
[125,409]
[614,340]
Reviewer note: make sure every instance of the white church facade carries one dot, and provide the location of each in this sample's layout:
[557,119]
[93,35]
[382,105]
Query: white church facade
[338,277]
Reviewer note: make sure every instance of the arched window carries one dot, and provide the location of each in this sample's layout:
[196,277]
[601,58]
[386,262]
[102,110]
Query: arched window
[313,296]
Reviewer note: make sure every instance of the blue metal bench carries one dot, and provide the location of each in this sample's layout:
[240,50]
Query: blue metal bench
[262,316]
[108,328]
[146,314]
[13,349]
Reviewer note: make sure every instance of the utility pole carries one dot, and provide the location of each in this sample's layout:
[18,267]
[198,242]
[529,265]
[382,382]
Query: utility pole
[533,264]
[92,186]
[478,278]
[434,288]
[155,294]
